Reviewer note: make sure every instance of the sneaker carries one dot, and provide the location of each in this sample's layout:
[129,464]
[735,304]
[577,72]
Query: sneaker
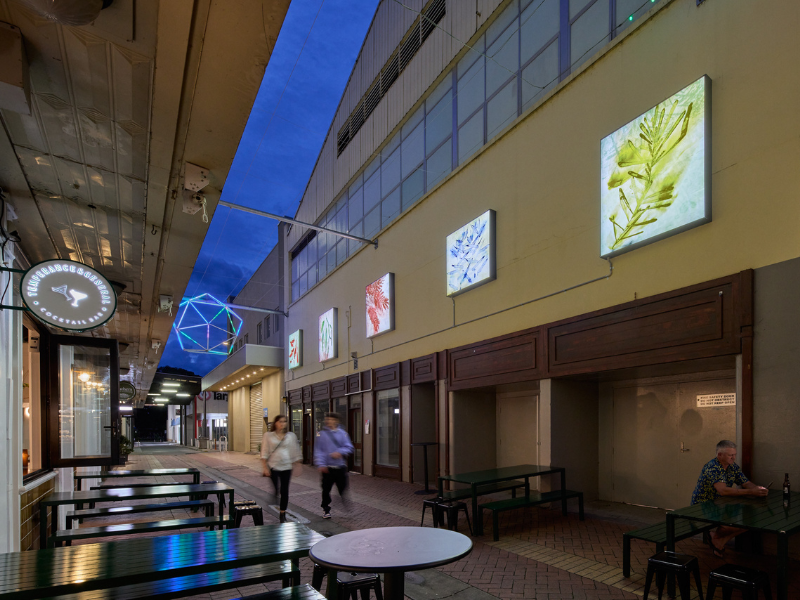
[326,514]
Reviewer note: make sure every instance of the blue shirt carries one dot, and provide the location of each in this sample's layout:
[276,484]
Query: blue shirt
[713,472]
[328,442]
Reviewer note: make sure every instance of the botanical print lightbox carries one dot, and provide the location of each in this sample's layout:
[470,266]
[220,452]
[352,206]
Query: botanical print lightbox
[380,305]
[656,172]
[328,335]
[471,255]
[296,349]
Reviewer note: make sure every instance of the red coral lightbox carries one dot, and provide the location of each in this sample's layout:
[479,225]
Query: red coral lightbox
[380,306]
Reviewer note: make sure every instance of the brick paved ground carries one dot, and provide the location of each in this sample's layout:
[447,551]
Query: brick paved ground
[540,553]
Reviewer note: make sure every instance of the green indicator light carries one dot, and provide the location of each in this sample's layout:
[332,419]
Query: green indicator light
[630,18]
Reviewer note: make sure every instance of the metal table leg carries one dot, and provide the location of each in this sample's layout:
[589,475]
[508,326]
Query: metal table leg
[783,566]
[332,590]
[563,492]
[394,585]
[477,517]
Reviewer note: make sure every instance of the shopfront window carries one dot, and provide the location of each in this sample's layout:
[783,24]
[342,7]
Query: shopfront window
[340,408]
[320,408]
[32,445]
[388,434]
[297,421]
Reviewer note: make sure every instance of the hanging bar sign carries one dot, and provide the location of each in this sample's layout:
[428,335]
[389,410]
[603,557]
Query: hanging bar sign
[68,295]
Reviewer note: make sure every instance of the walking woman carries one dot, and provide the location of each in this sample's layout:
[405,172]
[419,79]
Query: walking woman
[280,453]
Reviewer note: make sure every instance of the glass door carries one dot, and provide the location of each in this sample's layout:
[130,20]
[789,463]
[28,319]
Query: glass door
[84,406]
[355,429]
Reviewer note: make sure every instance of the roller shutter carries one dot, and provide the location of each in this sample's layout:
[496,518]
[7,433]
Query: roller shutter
[256,417]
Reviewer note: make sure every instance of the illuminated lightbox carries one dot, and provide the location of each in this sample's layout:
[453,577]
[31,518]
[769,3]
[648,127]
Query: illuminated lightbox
[471,255]
[656,172]
[380,305]
[296,349]
[328,335]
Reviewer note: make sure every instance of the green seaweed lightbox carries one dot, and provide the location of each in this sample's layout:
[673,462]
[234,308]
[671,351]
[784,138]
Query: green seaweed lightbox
[656,172]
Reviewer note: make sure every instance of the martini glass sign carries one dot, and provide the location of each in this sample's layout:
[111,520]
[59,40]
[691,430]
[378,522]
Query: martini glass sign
[68,295]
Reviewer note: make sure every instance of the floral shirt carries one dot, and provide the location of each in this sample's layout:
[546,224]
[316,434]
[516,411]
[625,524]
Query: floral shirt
[713,472]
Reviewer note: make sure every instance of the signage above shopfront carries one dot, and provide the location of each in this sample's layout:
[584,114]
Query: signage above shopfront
[68,295]
[296,349]
[471,255]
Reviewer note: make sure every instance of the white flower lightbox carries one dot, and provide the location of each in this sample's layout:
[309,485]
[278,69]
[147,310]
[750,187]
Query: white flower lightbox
[656,172]
[328,335]
[471,254]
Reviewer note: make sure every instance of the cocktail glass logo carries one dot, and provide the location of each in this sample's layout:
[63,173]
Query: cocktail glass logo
[68,295]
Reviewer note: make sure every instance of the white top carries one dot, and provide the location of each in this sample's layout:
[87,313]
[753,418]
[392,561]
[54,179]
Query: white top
[280,454]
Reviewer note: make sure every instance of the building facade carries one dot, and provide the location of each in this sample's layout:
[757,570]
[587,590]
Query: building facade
[585,254]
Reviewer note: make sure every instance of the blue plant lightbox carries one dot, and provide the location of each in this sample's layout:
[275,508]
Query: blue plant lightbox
[471,255]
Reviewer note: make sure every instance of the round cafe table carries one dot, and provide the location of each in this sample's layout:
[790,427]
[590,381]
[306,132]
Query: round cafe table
[388,550]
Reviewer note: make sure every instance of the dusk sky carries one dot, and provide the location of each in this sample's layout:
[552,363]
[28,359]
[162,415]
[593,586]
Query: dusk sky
[306,75]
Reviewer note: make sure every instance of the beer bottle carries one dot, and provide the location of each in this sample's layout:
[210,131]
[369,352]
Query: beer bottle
[786,490]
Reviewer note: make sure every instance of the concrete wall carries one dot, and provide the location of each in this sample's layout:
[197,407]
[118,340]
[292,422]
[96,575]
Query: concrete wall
[776,375]
[473,431]
[574,431]
[542,177]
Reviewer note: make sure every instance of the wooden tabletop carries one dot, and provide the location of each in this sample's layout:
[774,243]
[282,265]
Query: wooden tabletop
[137,473]
[391,549]
[763,514]
[156,491]
[502,474]
[73,569]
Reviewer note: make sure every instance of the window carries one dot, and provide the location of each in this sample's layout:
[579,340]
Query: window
[267,326]
[277,321]
[258,334]
[32,413]
[388,434]
[246,338]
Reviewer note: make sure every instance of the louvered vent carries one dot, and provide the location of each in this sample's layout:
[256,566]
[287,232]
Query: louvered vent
[423,26]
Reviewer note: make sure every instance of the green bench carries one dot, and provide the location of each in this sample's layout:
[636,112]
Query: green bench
[658,535]
[297,592]
[67,535]
[201,583]
[117,486]
[206,505]
[534,499]
[483,490]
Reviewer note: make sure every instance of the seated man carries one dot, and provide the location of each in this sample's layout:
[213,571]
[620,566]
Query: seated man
[717,479]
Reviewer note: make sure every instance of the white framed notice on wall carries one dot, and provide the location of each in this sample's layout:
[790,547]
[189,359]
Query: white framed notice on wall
[714,400]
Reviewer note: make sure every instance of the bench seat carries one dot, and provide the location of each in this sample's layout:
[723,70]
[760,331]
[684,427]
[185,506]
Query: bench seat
[67,535]
[297,592]
[657,534]
[117,486]
[202,583]
[206,505]
[534,499]
[483,490]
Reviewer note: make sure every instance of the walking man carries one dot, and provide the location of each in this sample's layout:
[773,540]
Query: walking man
[332,447]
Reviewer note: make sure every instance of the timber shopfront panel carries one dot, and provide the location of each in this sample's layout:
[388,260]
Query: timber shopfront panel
[697,328]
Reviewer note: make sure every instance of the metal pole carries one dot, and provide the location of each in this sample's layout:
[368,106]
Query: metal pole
[295,222]
[253,308]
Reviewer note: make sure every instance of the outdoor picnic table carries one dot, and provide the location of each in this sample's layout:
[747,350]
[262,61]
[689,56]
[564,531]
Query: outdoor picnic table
[56,499]
[767,515]
[74,569]
[389,550]
[195,473]
[478,478]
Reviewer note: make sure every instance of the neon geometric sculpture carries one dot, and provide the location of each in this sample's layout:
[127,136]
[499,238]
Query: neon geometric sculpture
[206,325]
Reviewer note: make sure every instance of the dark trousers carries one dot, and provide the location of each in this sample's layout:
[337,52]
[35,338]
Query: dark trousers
[282,477]
[337,476]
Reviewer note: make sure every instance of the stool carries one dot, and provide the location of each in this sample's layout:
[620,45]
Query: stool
[350,583]
[672,563]
[734,577]
[247,507]
[437,505]
[451,510]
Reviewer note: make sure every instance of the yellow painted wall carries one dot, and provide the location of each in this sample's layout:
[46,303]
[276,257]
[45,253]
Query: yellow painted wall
[271,394]
[543,178]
